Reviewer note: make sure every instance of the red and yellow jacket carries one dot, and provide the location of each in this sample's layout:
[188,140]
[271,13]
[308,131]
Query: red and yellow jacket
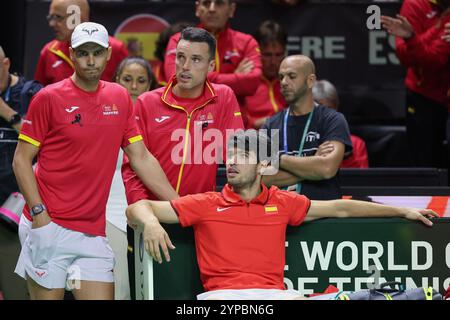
[54,62]
[180,133]
[266,101]
[425,54]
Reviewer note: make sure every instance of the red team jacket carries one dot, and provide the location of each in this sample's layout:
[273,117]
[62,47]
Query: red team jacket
[178,132]
[266,101]
[55,65]
[232,47]
[426,55]
[359,157]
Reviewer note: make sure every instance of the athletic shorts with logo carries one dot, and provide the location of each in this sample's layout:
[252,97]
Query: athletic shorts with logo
[54,256]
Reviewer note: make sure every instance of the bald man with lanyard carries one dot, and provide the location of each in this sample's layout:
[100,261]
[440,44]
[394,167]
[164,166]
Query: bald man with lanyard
[305,130]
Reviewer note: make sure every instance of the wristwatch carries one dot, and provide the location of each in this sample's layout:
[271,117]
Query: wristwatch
[15,119]
[37,209]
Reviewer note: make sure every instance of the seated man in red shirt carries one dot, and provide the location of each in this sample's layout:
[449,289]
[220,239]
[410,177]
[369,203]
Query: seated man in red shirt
[267,99]
[178,122]
[76,127]
[237,56]
[240,233]
[325,93]
[54,63]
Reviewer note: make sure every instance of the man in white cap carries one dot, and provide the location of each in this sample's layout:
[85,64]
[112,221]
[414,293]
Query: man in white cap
[76,127]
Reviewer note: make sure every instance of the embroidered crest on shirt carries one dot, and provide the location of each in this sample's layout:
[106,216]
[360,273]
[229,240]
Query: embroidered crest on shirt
[110,110]
[163,118]
[205,120]
[230,54]
[71,109]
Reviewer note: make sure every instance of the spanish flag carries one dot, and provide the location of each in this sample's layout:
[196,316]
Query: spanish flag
[271,209]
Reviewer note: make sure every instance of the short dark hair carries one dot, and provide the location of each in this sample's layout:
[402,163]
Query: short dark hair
[143,63]
[193,34]
[252,140]
[270,31]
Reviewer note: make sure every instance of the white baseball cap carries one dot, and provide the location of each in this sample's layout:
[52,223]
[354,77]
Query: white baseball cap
[89,32]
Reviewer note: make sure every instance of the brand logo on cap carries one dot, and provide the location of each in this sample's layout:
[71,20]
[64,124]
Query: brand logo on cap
[89,32]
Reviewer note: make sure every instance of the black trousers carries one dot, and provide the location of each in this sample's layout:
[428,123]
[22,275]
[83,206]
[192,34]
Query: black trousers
[426,122]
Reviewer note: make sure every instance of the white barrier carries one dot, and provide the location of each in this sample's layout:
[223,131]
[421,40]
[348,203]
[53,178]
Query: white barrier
[143,269]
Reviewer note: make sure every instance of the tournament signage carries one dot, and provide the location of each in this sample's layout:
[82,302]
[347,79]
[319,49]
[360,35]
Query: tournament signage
[355,254]
[351,254]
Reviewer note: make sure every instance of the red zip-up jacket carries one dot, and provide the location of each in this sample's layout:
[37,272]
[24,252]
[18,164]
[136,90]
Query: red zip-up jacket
[164,121]
[231,48]
[425,54]
[266,101]
[54,62]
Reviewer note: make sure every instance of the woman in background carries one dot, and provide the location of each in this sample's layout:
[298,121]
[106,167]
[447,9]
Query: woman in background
[135,74]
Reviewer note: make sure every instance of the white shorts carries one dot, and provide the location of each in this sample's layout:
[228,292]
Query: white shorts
[249,294]
[53,256]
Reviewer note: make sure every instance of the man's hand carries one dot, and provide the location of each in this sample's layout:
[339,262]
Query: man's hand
[41,220]
[446,35]
[399,27]
[6,112]
[154,237]
[245,66]
[422,215]
[324,149]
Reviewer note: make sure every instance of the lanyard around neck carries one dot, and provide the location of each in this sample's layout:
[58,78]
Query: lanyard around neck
[305,131]
[8,90]
[302,141]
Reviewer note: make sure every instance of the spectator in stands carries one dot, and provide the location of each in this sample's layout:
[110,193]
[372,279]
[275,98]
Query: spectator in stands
[136,75]
[325,93]
[240,233]
[267,99]
[15,95]
[237,56]
[421,47]
[188,107]
[160,50]
[54,63]
[303,127]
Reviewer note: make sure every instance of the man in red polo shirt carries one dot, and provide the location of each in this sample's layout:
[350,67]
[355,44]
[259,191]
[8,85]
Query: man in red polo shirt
[75,127]
[237,56]
[178,121]
[267,99]
[240,233]
[54,63]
